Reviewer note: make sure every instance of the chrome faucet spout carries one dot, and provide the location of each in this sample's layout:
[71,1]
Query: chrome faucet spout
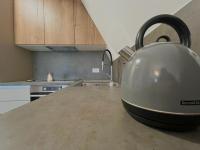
[111,63]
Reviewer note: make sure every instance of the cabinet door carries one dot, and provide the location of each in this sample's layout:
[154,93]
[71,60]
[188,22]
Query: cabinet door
[12,97]
[8,106]
[14,93]
[86,32]
[29,21]
[59,22]
[98,39]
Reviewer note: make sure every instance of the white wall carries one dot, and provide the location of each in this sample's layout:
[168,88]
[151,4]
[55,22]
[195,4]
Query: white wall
[119,20]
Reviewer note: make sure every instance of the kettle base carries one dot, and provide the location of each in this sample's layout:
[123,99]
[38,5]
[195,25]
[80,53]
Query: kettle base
[163,120]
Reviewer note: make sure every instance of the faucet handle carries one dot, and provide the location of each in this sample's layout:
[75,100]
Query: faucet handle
[126,52]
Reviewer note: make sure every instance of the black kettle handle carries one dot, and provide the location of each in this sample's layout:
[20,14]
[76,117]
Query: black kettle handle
[173,21]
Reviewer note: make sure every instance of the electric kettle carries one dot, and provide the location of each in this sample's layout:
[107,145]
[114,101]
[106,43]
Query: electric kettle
[161,81]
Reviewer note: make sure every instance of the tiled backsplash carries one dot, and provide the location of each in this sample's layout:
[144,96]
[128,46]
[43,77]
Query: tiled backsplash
[69,65]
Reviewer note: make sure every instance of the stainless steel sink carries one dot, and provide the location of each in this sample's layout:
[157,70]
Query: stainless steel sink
[103,83]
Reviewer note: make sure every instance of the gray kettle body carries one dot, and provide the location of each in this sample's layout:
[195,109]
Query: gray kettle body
[160,82]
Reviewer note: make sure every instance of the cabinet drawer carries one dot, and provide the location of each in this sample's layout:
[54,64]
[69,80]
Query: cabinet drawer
[14,93]
[7,106]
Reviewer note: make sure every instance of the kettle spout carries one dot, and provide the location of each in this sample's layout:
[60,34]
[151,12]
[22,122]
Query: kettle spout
[126,53]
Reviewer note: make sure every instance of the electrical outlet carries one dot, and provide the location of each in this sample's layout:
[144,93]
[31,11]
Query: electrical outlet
[95,70]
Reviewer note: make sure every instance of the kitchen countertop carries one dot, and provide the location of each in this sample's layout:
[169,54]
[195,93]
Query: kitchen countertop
[24,83]
[85,118]
[64,82]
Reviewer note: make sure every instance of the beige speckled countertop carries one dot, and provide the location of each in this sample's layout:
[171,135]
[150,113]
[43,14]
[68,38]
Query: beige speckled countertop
[85,118]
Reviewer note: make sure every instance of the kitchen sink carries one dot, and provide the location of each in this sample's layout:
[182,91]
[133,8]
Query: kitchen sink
[101,83]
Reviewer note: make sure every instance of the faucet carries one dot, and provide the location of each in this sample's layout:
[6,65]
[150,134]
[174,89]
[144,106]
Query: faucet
[111,63]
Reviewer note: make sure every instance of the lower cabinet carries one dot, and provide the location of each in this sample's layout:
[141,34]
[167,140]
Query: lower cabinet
[7,106]
[12,97]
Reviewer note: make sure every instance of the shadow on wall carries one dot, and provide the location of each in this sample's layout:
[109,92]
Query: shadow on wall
[190,15]
[15,63]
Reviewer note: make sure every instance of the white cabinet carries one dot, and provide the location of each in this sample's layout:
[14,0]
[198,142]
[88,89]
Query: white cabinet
[7,106]
[12,97]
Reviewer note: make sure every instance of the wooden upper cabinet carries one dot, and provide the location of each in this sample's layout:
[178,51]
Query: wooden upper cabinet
[54,22]
[86,32]
[29,21]
[98,39]
[59,22]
